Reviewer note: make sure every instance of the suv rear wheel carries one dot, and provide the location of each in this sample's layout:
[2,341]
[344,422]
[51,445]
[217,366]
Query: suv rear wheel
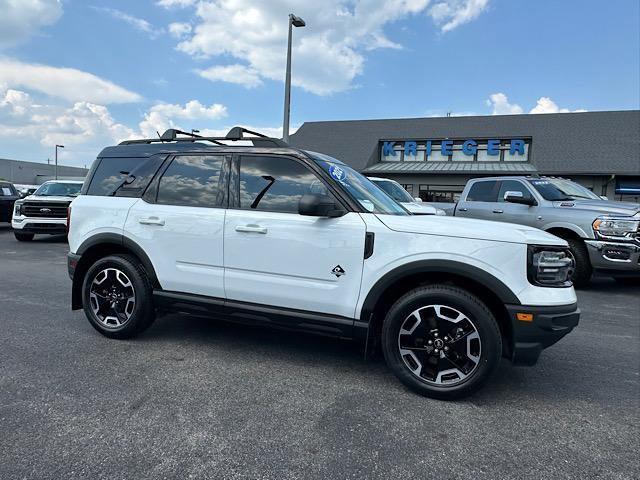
[117,297]
[23,237]
[441,341]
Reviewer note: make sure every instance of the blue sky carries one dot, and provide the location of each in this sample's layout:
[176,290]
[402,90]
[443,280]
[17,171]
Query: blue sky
[87,74]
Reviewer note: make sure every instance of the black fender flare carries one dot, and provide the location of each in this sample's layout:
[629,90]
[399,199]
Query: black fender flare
[457,268]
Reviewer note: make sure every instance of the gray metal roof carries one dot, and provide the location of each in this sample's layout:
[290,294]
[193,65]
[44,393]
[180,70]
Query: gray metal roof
[585,143]
[450,167]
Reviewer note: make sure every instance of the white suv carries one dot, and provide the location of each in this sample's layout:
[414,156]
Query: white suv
[290,238]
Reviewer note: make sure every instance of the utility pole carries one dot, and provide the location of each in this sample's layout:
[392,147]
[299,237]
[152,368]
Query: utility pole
[293,22]
[56,169]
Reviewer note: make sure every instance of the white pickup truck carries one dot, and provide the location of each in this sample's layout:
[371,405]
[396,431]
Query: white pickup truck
[603,235]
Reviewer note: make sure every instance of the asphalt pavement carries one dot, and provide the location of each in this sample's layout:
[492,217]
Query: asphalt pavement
[198,398]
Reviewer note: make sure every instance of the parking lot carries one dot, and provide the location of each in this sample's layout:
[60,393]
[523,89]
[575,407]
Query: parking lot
[195,398]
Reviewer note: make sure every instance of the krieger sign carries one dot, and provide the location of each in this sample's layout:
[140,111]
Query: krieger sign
[446,147]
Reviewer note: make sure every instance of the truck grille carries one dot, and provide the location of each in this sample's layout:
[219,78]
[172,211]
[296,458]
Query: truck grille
[45,209]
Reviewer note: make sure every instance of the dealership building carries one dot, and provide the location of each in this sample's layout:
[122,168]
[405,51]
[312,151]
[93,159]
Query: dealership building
[434,157]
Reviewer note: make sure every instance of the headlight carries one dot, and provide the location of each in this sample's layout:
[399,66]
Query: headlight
[616,228]
[17,208]
[550,266]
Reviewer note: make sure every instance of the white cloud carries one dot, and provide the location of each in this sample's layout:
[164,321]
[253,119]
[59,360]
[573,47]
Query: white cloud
[66,83]
[22,18]
[135,22]
[166,115]
[501,106]
[451,14]
[327,55]
[240,74]
[179,30]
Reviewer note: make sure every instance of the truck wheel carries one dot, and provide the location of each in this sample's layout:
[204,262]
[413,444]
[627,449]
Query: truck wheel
[582,270]
[23,237]
[117,297]
[441,341]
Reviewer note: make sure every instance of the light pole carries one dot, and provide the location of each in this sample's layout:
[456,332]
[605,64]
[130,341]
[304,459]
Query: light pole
[293,22]
[57,147]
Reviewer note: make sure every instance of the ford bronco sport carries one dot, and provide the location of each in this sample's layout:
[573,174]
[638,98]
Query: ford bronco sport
[280,236]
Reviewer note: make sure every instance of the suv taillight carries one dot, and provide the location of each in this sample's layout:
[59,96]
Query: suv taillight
[68,218]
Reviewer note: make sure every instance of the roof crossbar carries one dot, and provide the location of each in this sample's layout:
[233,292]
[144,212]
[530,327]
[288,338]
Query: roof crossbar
[234,135]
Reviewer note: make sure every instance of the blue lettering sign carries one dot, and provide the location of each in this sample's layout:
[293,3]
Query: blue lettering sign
[446,147]
[517,146]
[470,147]
[387,149]
[410,148]
[493,147]
[428,147]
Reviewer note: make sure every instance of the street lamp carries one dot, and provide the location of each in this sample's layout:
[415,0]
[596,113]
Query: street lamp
[57,147]
[293,22]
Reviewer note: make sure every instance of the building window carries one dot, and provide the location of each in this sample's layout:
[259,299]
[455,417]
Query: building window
[408,187]
[436,155]
[440,193]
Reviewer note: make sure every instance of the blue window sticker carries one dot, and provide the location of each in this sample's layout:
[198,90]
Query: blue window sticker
[336,172]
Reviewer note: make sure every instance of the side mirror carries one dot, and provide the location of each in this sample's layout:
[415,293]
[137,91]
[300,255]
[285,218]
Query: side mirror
[518,197]
[316,205]
[418,199]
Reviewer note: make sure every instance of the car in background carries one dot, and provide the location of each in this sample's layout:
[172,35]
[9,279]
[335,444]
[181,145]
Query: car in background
[44,212]
[25,190]
[8,196]
[400,195]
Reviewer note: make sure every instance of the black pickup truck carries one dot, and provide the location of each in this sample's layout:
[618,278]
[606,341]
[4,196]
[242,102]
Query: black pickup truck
[8,196]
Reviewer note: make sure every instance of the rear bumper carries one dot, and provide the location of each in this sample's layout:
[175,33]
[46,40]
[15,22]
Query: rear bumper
[72,264]
[614,257]
[549,325]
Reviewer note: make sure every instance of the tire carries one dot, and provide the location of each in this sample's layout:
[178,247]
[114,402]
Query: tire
[23,237]
[117,297]
[583,270]
[485,344]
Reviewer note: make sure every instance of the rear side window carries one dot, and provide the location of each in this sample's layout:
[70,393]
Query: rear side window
[110,173]
[483,192]
[193,181]
[275,184]
[7,190]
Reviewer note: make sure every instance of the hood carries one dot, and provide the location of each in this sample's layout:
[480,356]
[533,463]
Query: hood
[470,228]
[601,207]
[419,208]
[40,198]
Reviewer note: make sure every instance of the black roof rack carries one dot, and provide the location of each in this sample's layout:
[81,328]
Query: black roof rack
[234,135]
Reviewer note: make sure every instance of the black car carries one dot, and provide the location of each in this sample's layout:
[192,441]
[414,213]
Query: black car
[8,196]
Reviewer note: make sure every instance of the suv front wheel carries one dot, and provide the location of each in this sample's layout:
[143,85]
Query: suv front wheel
[441,341]
[117,297]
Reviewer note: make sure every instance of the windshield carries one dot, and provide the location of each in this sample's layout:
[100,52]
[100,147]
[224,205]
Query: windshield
[58,190]
[560,189]
[358,187]
[394,190]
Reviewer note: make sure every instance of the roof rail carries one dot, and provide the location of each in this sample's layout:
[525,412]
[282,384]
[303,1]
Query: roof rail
[234,135]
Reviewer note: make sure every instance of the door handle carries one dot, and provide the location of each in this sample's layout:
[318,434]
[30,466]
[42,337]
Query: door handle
[251,229]
[463,209]
[151,221]
[497,210]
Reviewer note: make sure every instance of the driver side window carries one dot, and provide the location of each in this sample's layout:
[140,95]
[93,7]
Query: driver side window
[275,184]
[512,186]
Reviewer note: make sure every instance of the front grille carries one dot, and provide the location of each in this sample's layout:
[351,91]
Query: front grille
[45,209]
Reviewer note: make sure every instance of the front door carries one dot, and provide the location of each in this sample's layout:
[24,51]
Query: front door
[275,257]
[516,212]
[180,225]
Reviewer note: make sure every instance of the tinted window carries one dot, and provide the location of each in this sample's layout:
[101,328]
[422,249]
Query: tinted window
[275,184]
[140,177]
[109,174]
[193,181]
[483,192]
[7,190]
[53,189]
[512,186]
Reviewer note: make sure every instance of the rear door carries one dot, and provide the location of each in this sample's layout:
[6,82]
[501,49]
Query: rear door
[480,202]
[179,223]
[273,256]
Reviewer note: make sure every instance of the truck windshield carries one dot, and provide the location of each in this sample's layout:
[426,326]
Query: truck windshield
[58,190]
[358,187]
[555,189]
[394,190]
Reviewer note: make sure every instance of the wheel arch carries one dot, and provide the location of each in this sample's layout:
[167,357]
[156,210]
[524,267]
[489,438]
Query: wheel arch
[565,230]
[102,245]
[491,290]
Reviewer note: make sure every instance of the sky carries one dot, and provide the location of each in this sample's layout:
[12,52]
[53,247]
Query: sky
[87,74]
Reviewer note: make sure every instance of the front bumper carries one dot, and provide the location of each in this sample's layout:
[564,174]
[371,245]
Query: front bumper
[52,226]
[548,325]
[614,257]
